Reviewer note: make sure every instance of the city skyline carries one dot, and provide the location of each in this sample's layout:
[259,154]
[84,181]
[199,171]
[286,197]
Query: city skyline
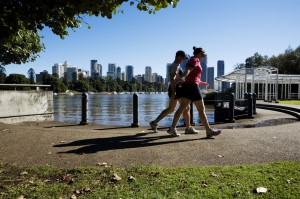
[228,31]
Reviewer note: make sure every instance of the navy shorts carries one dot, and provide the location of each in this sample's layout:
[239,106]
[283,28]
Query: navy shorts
[190,91]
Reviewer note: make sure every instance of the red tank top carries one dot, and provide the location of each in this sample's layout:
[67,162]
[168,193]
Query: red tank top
[195,75]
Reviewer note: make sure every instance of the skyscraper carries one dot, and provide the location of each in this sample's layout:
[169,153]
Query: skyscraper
[58,69]
[129,73]
[148,74]
[210,77]
[96,69]
[168,73]
[112,71]
[118,72]
[220,68]
[204,69]
[220,72]
[72,73]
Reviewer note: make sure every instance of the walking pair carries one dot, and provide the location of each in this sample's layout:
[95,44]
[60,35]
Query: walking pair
[184,87]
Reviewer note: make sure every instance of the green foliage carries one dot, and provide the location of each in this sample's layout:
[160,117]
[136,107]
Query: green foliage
[2,74]
[287,62]
[31,75]
[21,21]
[281,179]
[16,79]
[56,85]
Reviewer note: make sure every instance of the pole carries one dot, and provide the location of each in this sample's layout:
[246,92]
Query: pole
[84,109]
[135,111]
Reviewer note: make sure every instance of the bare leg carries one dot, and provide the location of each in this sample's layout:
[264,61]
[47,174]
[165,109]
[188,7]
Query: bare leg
[184,103]
[201,110]
[167,111]
[186,116]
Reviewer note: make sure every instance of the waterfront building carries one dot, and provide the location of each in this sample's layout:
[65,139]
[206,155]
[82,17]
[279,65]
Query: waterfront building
[210,77]
[139,78]
[148,74]
[167,80]
[204,69]
[66,65]
[58,69]
[112,71]
[39,78]
[83,73]
[71,71]
[96,69]
[154,77]
[119,72]
[220,72]
[129,73]
[123,76]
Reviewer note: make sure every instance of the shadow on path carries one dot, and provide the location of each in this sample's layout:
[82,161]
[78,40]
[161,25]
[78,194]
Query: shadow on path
[95,145]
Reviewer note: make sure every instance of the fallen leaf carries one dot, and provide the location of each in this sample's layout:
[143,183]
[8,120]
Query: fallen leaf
[77,192]
[49,153]
[20,197]
[62,141]
[131,179]
[261,190]
[87,190]
[116,177]
[47,180]
[103,164]
[204,185]
[73,197]
[213,174]
[220,156]
[24,173]
[236,194]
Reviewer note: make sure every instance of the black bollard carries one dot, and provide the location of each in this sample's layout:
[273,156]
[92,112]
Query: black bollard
[84,109]
[254,103]
[135,111]
[231,108]
[250,105]
[192,114]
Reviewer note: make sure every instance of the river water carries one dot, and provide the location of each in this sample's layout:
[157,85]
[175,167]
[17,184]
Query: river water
[117,109]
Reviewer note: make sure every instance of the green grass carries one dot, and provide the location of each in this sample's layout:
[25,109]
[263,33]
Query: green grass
[293,102]
[281,179]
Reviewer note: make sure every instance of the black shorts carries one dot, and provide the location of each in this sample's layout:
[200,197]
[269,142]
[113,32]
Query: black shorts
[170,90]
[190,91]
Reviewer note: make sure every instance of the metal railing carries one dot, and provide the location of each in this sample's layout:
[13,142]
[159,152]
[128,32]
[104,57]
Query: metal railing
[15,86]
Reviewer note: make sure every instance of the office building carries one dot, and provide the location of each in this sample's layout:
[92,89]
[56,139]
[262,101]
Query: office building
[129,73]
[154,77]
[72,73]
[221,71]
[139,78]
[167,80]
[148,74]
[119,72]
[210,77]
[112,71]
[123,76]
[204,69]
[82,73]
[66,65]
[58,69]
[96,69]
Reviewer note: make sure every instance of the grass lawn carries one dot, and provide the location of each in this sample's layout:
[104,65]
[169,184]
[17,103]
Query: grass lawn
[282,180]
[294,102]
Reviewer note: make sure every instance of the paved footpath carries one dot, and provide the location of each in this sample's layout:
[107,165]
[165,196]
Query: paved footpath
[68,145]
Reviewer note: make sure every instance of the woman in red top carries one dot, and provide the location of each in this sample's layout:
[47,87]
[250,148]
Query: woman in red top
[190,91]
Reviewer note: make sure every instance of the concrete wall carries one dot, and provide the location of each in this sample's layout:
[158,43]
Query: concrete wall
[26,106]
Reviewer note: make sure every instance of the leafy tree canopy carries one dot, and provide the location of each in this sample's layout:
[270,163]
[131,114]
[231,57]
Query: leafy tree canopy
[21,20]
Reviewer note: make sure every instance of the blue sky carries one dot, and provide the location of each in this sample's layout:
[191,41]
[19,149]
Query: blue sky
[230,30]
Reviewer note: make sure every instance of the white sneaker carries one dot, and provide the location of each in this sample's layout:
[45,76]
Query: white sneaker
[191,130]
[173,132]
[153,126]
[213,132]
